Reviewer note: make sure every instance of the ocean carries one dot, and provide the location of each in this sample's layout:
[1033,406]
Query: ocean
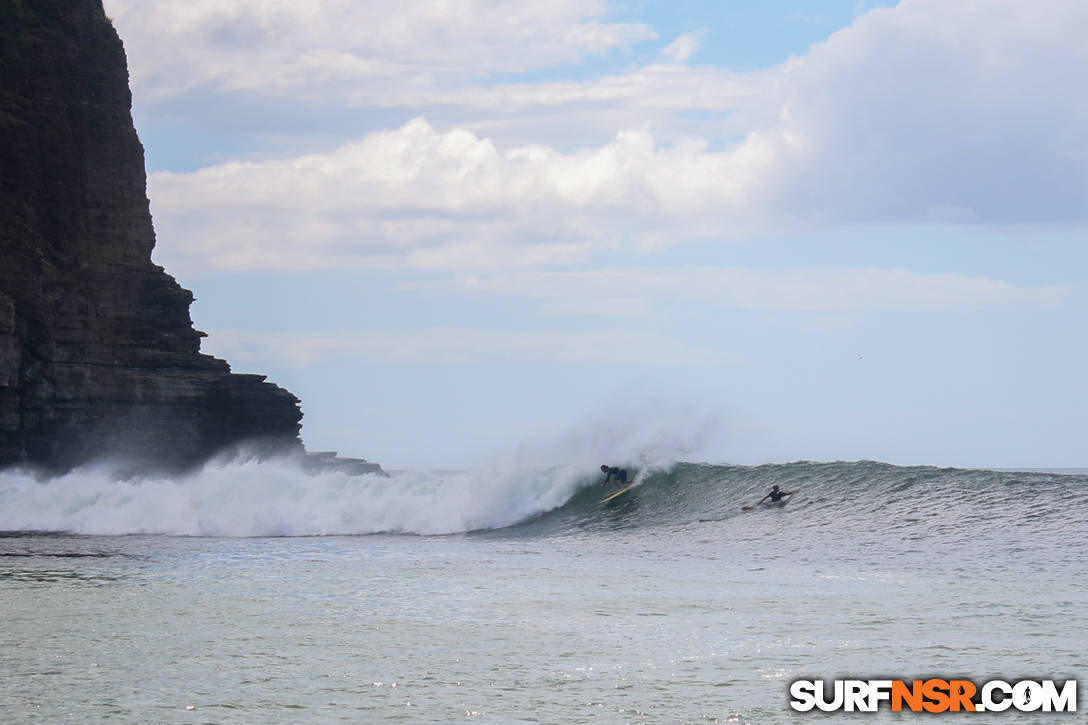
[253,593]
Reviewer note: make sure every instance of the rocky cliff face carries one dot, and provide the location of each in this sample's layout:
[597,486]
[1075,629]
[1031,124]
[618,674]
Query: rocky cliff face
[98,355]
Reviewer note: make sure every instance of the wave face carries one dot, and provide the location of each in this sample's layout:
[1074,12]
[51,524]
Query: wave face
[871,494]
[250,499]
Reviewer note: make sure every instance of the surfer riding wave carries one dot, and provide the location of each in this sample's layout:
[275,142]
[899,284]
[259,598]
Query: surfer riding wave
[614,472]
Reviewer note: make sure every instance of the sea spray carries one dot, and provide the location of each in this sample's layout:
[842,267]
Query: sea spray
[238,497]
[277,498]
[646,433]
[258,498]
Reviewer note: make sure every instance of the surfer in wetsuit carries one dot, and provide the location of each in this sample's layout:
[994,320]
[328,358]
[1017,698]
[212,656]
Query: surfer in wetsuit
[620,474]
[776,495]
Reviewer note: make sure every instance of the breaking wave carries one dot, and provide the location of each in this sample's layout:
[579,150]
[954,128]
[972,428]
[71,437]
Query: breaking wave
[276,498]
[250,498]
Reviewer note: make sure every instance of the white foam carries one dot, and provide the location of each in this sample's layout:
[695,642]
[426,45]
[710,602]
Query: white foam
[277,498]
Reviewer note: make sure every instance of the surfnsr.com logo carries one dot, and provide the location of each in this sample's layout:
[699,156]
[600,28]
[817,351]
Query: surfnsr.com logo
[934,695]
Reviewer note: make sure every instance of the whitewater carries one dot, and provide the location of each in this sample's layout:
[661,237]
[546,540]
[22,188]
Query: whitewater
[251,591]
[241,495]
[252,498]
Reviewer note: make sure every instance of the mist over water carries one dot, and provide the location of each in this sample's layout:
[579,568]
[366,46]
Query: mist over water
[527,489]
[239,497]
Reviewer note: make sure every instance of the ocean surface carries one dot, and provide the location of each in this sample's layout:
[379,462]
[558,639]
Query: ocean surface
[254,593]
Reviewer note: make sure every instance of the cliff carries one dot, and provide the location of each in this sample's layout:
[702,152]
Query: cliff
[98,355]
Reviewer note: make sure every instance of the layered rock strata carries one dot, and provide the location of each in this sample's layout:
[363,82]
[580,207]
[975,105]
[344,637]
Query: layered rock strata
[98,355]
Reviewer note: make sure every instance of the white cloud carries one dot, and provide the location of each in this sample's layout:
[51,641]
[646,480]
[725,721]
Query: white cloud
[964,112]
[936,107]
[275,47]
[457,345]
[681,49]
[837,296]
[633,292]
[420,197]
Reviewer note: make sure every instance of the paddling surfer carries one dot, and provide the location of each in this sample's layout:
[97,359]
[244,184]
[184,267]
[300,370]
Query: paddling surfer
[776,495]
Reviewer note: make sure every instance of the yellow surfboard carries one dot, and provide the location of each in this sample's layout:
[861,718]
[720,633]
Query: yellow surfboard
[625,489]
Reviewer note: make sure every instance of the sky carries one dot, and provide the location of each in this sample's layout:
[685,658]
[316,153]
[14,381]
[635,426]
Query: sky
[831,231]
